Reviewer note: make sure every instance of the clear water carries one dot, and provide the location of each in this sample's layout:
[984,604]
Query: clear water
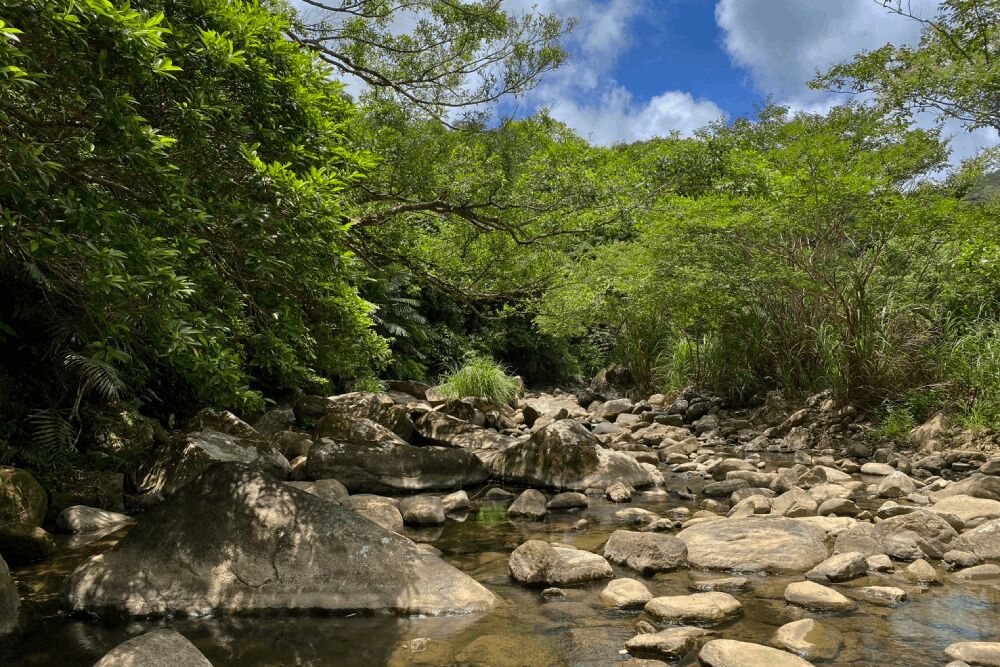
[526,629]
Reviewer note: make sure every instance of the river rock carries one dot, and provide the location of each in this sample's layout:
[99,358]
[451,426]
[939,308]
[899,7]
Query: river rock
[378,408]
[379,510]
[538,562]
[22,498]
[153,648]
[756,544]
[9,600]
[80,519]
[811,595]
[705,608]
[422,510]
[880,595]
[895,485]
[388,465]
[976,485]
[268,548]
[972,511]
[808,638]
[564,455]
[976,654]
[984,540]
[877,469]
[456,502]
[841,567]
[442,429]
[673,643]
[625,594]
[21,544]
[189,454]
[645,552]
[619,492]
[609,410]
[530,505]
[794,503]
[922,572]
[568,500]
[732,653]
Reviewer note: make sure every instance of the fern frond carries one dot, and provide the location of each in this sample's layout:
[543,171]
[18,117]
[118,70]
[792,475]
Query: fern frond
[95,374]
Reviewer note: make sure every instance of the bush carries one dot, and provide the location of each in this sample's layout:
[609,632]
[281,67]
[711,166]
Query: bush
[483,378]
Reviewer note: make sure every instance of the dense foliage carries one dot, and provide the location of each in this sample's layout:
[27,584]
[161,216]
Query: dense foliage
[193,212]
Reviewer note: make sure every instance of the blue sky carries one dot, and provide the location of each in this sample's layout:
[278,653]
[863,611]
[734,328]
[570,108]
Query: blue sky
[644,68]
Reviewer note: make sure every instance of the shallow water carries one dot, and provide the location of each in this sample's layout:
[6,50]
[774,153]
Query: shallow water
[525,629]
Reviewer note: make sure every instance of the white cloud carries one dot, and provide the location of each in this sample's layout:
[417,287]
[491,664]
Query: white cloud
[783,43]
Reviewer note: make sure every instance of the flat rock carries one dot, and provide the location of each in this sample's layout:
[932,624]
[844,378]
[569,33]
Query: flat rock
[645,552]
[568,500]
[388,465]
[811,595]
[841,567]
[539,563]
[625,594]
[673,643]
[886,596]
[732,653]
[268,548]
[809,639]
[156,647]
[977,654]
[706,608]
[755,544]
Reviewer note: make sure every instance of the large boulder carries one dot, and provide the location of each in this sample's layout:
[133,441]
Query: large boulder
[82,519]
[976,485]
[809,638]
[22,498]
[755,544]
[379,408]
[702,608]
[645,552]
[190,454]
[539,563]
[154,648]
[8,600]
[564,455]
[21,544]
[268,548]
[971,511]
[984,540]
[388,465]
[443,429]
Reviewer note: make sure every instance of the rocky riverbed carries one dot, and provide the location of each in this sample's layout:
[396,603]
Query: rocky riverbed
[404,529]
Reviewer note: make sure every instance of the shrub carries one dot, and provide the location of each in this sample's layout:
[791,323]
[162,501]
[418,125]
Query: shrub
[483,378]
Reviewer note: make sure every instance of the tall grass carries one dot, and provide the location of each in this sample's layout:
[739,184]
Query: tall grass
[973,365]
[483,378]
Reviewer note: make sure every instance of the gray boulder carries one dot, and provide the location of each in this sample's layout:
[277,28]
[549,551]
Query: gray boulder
[539,563]
[268,548]
[755,544]
[564,455]
[645,552]
[530,505]
[155,648]
[388,465]
[81,519]
[443,429]
[22,498]
[422,510]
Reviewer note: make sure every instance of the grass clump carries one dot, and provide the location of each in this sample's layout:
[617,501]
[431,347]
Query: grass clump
[484,378]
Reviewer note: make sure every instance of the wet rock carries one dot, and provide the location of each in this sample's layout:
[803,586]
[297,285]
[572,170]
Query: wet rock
[625,594]
[530,505]
[755,544]
[22,498]
[961,559]
[976,654]
[705,608]
[190,454]
[619,492]
[385,464]
[568,500]
[732,653]
[724,488]
[422,510]
[885,596]
[842,567]
[537,562]
[723,584]
[645,552]
[8,600]
[80,519]
[837,507]
[377,509]
[673,643]
[21,544]
[156,647]
[564,455]
[978,573]
[506,651]
[809,639]
[815,596]
[268,548]
[922,572]
[553,593]
[456,502]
